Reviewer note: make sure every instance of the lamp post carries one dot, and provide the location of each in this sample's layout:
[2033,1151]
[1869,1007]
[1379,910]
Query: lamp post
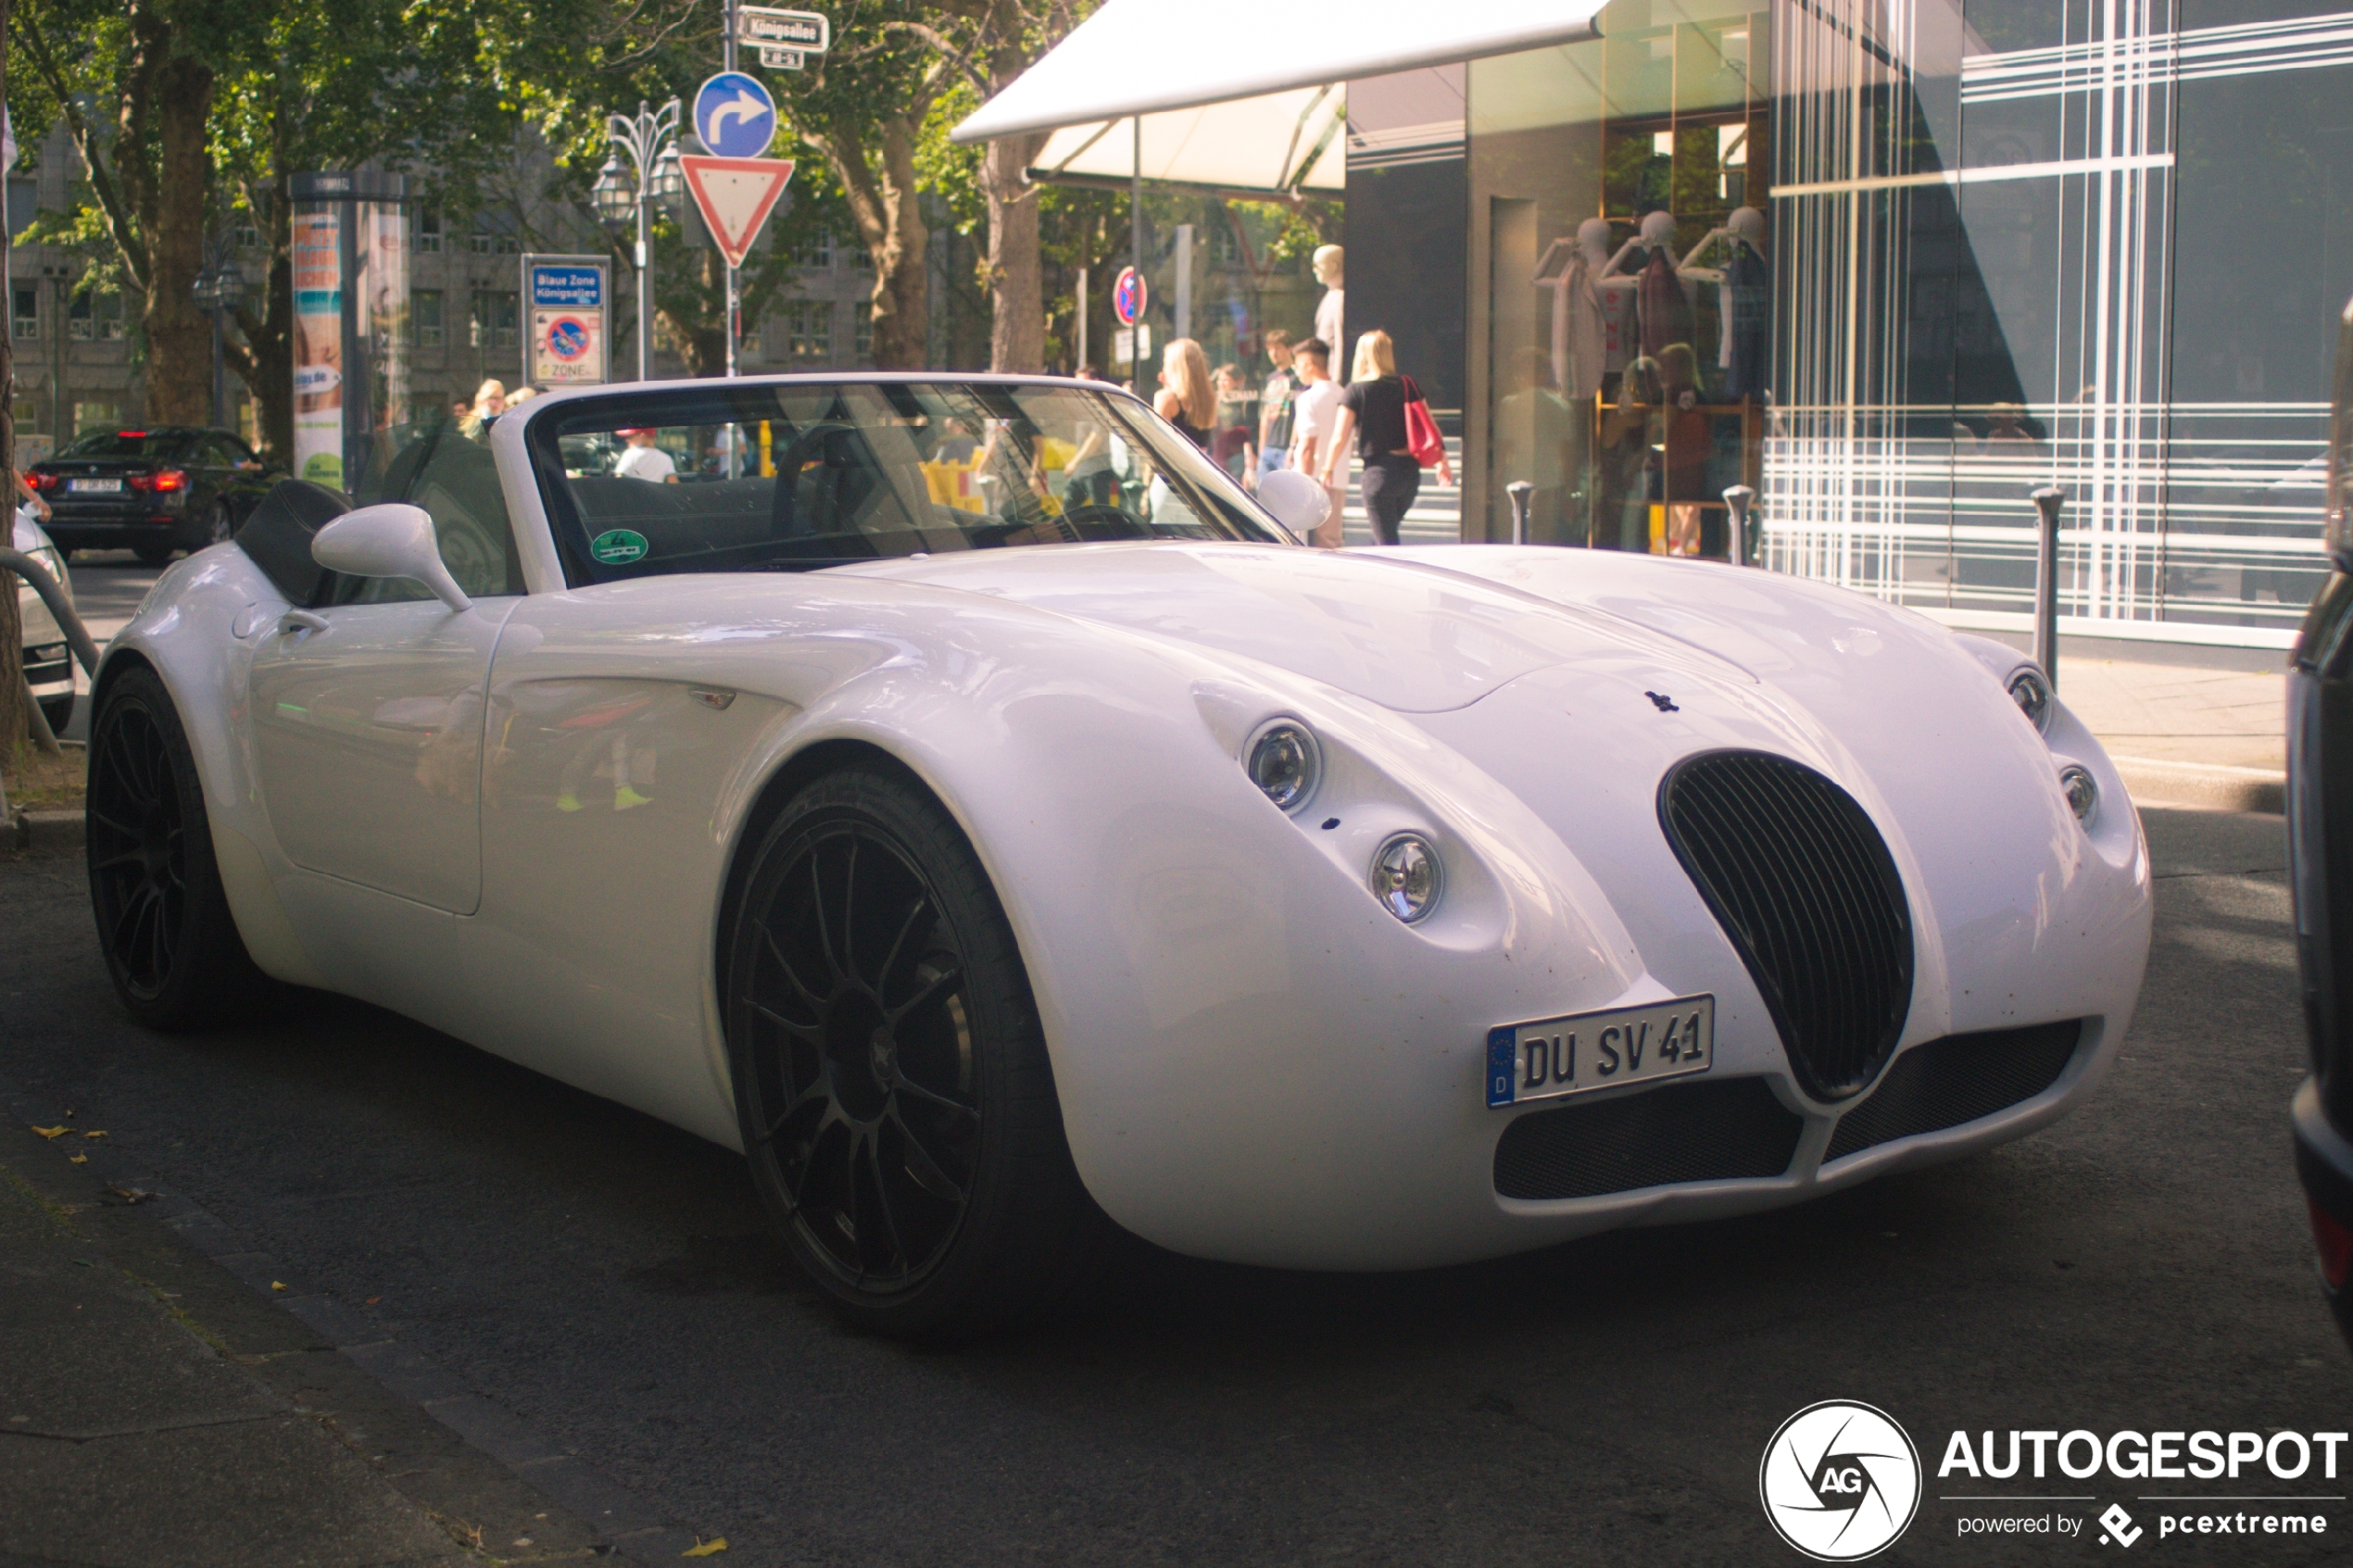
[59,275]
[651,140]
[219,288]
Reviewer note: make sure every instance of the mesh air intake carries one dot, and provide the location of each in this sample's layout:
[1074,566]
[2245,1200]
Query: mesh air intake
[1804,886]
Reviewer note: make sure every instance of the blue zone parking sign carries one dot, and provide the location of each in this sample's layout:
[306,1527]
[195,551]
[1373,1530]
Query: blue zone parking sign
[567,306]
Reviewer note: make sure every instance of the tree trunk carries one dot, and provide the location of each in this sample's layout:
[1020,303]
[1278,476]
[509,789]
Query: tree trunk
[1016,281]
[882,198]
[16,723]
[179,337]
[702,342]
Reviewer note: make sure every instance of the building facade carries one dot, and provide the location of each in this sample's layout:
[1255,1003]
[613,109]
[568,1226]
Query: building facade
[1893,265]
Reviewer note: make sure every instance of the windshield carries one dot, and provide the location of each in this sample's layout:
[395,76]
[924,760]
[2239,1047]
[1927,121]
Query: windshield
[799,476]
[128,443]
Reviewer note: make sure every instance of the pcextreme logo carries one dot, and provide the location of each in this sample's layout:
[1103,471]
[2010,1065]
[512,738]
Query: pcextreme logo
[1839,1481]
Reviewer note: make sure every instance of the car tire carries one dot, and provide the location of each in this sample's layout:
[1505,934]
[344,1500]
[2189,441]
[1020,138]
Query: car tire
[891,1080]
[152,555]
[164,924]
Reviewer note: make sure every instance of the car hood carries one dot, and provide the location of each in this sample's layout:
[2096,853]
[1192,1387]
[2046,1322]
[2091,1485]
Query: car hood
[1411,636]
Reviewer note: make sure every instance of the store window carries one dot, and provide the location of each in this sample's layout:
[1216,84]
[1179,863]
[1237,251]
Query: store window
[1619,204]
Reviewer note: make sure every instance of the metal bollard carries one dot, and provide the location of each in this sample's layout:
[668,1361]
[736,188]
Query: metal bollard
[2048,502]
[1520,491]
[1740,497]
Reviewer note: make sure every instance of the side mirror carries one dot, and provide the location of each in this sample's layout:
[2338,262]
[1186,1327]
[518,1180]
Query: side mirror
[1298,502]
[390,540]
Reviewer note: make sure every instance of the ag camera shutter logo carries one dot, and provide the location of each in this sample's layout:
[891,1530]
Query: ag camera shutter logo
[1839,1481]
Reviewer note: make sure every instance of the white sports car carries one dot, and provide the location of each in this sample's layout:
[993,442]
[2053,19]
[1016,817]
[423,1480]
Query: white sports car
[957,795]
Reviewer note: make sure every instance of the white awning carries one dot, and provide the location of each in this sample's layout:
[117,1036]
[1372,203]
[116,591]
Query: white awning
[1276,143]
[1135,57]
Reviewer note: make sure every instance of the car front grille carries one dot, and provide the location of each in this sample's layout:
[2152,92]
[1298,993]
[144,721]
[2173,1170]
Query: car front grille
[1707,1129]
[1802,882]
[1957,1079]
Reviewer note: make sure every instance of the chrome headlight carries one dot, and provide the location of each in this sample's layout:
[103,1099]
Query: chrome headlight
[1408,876]
[1285,761]
[2032,692]
[2082,790]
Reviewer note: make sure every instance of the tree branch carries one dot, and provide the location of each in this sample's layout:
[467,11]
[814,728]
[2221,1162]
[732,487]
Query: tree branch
[121,225]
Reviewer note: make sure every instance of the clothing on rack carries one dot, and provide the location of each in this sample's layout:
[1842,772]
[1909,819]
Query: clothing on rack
[1580,350]
[1748,305]
[1665,310]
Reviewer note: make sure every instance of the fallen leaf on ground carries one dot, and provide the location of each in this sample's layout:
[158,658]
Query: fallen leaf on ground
[129,1194]
[60,1130]
[99,1133]
[277,1284]
[77,1160]
[373,1299]
[711,1547]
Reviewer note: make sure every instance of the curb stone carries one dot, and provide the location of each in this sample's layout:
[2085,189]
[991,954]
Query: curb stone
[2158,781]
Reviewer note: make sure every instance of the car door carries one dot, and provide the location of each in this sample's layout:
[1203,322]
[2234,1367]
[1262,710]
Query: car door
[368,714]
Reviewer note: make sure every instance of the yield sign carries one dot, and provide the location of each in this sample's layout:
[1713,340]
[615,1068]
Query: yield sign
[735,196]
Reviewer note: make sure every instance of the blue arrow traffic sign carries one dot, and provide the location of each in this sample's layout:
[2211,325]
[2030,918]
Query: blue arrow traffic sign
[735,116]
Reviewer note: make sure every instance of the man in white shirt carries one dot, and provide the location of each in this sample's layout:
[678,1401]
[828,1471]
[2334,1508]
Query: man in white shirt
[1315,416]
[643,460]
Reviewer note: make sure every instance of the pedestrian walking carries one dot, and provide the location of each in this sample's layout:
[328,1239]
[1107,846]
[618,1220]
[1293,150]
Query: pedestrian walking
[1373,411]
[1186,400]
[1275,406]
[490,401]
[1314,421]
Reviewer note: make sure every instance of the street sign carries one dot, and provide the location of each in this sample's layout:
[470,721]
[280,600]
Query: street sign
[1124,343]
[773,58]
[735,196]
[735,116]
[567,298]
[791,29]
[1127,296]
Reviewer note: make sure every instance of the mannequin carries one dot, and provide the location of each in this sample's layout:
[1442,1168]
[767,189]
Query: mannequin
[1745,283]
[1331,271]
[1580,321]
[1645,267]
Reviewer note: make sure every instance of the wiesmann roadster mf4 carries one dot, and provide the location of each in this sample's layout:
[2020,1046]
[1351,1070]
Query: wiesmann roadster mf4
[960,796]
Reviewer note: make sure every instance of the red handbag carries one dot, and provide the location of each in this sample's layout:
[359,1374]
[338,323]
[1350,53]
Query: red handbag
[1422,439]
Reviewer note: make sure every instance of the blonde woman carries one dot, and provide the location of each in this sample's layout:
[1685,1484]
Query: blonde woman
[1373,410]
[490,401]
[1186,399]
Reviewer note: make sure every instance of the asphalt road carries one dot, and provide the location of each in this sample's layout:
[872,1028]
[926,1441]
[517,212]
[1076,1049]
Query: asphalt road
[2144,1264]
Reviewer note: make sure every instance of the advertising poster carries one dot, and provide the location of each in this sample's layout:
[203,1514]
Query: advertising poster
[318,363]
[384,293]
[567,304]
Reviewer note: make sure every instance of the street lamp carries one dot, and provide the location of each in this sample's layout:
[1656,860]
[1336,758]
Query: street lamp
[651,140]
[59,275]
[219,288]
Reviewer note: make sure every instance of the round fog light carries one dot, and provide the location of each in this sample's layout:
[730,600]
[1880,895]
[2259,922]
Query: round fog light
[2032,695]
[1407,877]
[1285,762]
[2082,792]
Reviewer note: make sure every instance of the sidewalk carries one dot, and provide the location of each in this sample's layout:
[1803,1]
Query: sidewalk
[2187,726]
[155,1410]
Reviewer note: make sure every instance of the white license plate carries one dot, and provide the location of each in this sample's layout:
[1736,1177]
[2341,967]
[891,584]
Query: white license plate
[95,486]
[1600,1050]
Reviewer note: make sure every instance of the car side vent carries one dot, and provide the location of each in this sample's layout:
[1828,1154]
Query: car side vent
[1701,1130]
[1804,886]
[1957,1079]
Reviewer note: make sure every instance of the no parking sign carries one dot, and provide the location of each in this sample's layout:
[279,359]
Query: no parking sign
[567,306]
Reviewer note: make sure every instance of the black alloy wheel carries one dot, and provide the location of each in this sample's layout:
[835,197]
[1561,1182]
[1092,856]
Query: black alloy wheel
[892,1079]
[164,923]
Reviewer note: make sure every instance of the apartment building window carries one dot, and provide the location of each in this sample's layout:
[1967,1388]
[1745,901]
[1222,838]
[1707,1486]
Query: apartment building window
[809,329]
[863,315]
[24,205]
[95,318]
[815,250]
[25,311]
[245,235]
[480,241]
[1225,246]
[494,320]
[424,313]
[428,231]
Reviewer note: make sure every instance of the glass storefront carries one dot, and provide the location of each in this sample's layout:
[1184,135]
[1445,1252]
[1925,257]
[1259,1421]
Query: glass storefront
[1893,266]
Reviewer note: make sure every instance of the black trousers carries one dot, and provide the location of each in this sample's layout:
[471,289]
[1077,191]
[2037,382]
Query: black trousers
[1390,482]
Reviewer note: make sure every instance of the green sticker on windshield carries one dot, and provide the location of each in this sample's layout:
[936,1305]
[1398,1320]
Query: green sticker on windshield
[619,548]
